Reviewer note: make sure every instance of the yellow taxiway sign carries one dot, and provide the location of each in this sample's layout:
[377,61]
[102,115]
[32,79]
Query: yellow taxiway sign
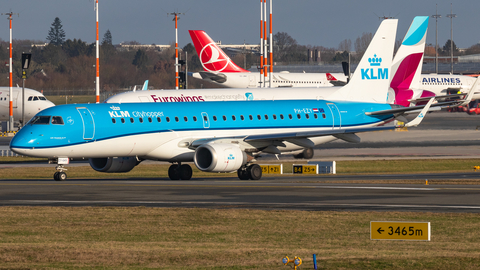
[400,230]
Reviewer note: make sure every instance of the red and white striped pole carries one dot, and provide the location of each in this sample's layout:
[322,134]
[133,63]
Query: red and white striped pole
[265,40]
[10,78]
[261,42]
[97,66]
[176,52]
[271,46]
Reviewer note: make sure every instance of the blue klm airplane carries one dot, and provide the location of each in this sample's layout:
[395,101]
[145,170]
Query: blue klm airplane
[216,136]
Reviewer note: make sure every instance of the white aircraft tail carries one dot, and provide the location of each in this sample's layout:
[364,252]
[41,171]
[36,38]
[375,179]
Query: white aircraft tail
[371,80]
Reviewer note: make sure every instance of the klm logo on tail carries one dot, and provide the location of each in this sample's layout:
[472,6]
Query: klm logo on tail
[375,72]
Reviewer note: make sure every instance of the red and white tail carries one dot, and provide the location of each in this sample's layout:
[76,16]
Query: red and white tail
[330,77]
[213,59]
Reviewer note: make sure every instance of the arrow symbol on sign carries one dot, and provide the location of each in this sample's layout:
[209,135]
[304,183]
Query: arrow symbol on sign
[380,230]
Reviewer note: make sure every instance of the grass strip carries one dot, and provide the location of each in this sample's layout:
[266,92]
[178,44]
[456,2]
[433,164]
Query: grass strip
[159,238]
[160,170]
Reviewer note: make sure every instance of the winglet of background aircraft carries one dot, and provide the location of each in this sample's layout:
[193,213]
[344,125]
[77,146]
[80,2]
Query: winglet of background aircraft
[145,85]
[213,58]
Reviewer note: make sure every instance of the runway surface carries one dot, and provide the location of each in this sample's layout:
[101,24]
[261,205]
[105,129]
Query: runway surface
[229,193]
[442,135]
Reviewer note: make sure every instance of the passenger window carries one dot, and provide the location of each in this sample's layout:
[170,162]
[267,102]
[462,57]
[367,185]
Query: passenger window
[234,118]
[195,119]
[251,117]
[149,119]
[131,120]
[307,116]
[274,117]
[123,120]
[185,119]
[176,119]
[214,118]
[281,116]
[57,120]
[140,119]
[259,117]
[266,117]
[315,115]
[299,116]
[224,118]
[113,120]
[324,116]
[168,119]
[159,120]
[241,117]
[290,116]
[205,118]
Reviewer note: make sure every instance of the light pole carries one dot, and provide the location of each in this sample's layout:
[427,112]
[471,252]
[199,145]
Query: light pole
[97,66]
[10,65]
[176,46]
[436,16]
[451,16]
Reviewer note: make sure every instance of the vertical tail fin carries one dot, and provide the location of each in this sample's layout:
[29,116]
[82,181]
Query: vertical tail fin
[371,80]
[407,64]
[145,85]
[213,58]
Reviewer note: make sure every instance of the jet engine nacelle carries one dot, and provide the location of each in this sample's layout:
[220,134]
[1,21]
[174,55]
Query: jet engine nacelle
[220,157]
[113,164]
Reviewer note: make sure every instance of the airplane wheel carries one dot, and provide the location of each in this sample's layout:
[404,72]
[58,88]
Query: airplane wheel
[174,172]
[55,176]
[308,153]
[242,174]
[62,176]
[254,172]
[185,172]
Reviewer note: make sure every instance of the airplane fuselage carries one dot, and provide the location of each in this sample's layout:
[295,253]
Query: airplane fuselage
[278,79]
[34,102]
[166,131]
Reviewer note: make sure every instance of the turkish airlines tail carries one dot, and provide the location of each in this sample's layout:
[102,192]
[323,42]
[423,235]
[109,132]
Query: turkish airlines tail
[213,58]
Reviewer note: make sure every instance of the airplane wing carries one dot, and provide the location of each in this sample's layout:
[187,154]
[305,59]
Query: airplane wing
[302,138]
[338,83]
[217,77]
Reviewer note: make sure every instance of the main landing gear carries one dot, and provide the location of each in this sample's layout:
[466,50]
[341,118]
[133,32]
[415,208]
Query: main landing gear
[252,172]
[180,172]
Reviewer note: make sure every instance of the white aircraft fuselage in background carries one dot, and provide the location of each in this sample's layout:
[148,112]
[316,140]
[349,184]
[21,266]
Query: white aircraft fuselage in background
[34,103]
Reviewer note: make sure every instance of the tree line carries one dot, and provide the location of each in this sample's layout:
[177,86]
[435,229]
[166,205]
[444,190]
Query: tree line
[69,64]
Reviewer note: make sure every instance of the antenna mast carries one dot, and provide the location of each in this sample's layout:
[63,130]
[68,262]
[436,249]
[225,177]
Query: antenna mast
[10,121]
[97,65]
[176,46]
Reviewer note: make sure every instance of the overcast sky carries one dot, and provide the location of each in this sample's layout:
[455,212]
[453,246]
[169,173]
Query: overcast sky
[310,22]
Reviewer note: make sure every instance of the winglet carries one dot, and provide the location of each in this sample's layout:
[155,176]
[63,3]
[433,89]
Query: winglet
[470,94]
[145,85]
[415,122]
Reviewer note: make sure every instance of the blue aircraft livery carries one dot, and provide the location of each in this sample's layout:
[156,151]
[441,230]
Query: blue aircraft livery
[374,73]
[217,136]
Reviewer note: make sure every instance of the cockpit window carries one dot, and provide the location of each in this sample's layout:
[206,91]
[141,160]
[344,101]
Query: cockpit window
[35,98]
[40,120]
[57,120]
[42,98]
[30,98]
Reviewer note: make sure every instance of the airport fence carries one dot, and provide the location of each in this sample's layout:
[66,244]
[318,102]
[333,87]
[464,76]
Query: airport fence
[9,153]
